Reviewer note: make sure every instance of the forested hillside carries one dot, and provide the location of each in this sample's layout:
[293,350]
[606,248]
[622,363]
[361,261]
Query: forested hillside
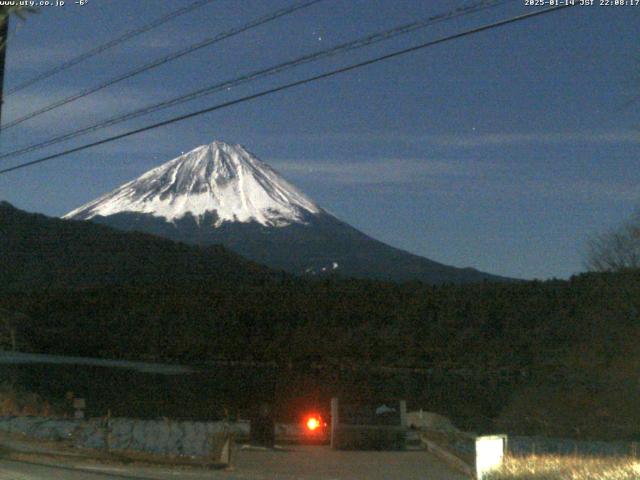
[567,350]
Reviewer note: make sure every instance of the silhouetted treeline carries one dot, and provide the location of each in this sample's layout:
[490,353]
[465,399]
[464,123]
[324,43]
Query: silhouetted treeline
[91,291]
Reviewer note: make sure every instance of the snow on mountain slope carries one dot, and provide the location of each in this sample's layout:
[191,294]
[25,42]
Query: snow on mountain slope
[220,178]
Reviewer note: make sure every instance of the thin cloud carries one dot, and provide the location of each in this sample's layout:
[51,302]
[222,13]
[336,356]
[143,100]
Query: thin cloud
[379,171]
[457,178]
[560,138]
[76,114]
[585,189]
[27,57]
[476,139]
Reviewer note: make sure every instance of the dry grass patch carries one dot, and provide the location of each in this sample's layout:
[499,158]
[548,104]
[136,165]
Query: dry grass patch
[557,467]
[15,401]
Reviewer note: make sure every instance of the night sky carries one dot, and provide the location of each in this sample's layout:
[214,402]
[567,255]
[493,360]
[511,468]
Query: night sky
[503,151]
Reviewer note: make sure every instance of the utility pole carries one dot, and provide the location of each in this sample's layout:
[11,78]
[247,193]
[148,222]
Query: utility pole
[4,33]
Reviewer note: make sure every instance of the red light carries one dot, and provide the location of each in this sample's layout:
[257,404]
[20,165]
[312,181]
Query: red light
[313,423]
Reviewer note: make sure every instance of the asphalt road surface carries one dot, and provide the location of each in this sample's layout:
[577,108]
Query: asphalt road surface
[294,463]
[19,470]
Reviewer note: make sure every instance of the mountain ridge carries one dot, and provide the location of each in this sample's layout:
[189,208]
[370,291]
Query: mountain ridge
[43,252]
[222,194]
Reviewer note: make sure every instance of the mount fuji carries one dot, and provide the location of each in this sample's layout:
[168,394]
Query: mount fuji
[222,194]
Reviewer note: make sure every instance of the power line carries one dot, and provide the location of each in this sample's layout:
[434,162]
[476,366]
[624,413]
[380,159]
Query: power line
[291,85]
[110,44]
[162,60]
[255,75]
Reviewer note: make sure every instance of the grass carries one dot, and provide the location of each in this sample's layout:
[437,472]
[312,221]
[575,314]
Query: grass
[15,401]
[556,467]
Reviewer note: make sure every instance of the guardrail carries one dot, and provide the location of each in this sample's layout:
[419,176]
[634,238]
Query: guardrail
[474,456]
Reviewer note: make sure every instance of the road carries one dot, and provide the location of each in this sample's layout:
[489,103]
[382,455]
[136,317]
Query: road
[21,470]
[294,463]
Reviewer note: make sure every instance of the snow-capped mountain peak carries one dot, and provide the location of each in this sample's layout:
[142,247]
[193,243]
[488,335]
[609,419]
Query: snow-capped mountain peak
[219,177]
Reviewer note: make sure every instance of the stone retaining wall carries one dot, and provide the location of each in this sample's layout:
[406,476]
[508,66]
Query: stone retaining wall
[164,437]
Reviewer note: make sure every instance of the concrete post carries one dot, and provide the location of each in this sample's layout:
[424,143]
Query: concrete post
[335,420]
[107,426]
[79,406]
[403,413]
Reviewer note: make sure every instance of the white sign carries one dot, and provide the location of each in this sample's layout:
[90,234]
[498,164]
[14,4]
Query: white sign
[489,453]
